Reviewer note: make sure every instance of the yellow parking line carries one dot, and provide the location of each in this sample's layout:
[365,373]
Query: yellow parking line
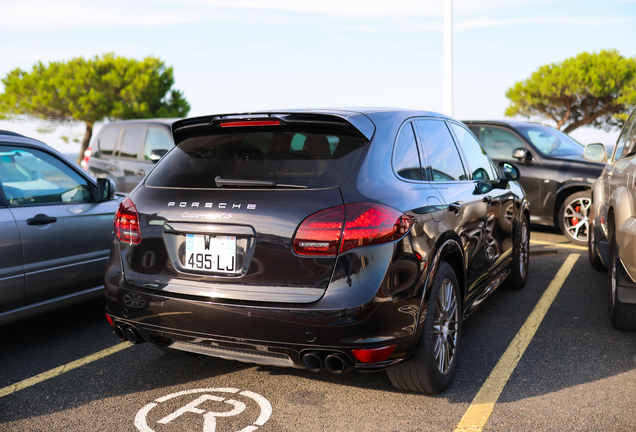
[564,245]
[482,406]
[60,370]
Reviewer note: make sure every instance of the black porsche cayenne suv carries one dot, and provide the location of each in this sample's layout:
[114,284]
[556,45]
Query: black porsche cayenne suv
[316,239]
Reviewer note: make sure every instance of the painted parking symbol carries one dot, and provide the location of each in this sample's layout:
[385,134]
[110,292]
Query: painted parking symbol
[225,398]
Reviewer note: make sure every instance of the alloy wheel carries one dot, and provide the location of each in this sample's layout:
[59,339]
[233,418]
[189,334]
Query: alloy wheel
[523,250]
[576,218]
[445,326]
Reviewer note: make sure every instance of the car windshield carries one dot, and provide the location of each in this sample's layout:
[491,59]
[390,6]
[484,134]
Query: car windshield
[551,142]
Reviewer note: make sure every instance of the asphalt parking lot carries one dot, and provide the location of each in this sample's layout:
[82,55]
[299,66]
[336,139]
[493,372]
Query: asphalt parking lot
[66,371]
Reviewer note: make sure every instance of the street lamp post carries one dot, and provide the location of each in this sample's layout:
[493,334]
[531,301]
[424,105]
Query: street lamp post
[448,57]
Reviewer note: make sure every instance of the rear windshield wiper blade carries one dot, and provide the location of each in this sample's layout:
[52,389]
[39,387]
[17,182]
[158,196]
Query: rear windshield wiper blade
[220,182]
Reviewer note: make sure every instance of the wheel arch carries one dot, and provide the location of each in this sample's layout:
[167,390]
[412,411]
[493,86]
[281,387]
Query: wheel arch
[449,251]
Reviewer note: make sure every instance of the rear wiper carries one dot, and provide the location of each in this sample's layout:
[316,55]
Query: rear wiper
[220,182]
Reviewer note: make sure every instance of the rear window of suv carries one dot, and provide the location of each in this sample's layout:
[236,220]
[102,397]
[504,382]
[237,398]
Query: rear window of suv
[302,156]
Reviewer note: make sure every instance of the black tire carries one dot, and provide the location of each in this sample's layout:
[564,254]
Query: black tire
[573,217]
[428,371]
[622,315]
[520,265]
[595,260]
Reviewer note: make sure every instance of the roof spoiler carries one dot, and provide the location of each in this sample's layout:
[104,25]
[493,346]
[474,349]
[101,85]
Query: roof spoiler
[356,122]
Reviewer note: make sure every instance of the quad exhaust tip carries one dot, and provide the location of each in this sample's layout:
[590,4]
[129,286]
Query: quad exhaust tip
[133,336]
[314,361]
[120,332]
[336,363]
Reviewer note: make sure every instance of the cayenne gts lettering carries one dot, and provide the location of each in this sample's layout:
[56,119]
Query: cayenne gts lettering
[193,216]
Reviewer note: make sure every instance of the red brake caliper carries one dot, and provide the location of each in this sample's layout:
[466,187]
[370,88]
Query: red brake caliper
[574,219]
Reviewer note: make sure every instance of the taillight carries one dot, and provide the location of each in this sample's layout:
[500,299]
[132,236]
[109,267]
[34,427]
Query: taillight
[127,222]
[369,224]
[341,228]
[87,155]
[320,233]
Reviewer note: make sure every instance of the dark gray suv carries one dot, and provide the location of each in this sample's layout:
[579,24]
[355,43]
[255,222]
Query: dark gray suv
[55,229]
[318,239]
[124,151]
[556,177]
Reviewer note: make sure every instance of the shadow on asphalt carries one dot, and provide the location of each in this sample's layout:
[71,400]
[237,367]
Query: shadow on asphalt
[574,345]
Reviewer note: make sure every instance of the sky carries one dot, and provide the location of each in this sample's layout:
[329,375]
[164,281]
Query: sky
[246,55]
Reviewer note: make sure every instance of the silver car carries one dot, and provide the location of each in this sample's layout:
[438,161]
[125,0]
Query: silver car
[613,223]
[55,229]
[125,151]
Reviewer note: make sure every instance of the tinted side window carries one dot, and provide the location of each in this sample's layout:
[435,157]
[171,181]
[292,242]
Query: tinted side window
[444,162]
[108,140]
[499,143]
[626,140]
[156,139]
[131,142]
[29,176]
[480,165]
[407,158]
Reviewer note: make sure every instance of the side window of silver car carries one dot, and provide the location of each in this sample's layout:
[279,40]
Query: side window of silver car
[29,176]
[625,143]
[107,141]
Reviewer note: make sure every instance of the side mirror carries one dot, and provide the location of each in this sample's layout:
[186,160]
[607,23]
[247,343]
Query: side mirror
[157,154]
[105,189]
[595,153]
[508,171]
[522,154]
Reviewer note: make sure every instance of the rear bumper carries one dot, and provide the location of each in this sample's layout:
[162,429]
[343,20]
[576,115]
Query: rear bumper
[360,309]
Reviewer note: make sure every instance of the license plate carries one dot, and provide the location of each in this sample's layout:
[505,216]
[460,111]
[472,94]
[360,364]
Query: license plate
[214,254]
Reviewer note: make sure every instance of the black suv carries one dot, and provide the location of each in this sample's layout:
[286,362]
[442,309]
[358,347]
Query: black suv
[554,174]
[318,239]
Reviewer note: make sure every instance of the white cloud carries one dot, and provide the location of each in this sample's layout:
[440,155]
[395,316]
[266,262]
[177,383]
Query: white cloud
[471,24]
[65,14]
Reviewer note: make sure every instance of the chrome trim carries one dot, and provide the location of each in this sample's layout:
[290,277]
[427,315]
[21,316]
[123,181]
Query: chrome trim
[247,293]
[209,227]
[65,266]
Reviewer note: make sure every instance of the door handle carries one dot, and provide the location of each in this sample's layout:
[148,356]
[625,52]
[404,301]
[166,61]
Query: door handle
[111,168]
[455,207]
[140,172]
[41,219]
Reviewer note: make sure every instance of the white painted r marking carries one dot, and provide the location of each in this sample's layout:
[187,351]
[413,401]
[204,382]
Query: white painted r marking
[209,424]
[209,417]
